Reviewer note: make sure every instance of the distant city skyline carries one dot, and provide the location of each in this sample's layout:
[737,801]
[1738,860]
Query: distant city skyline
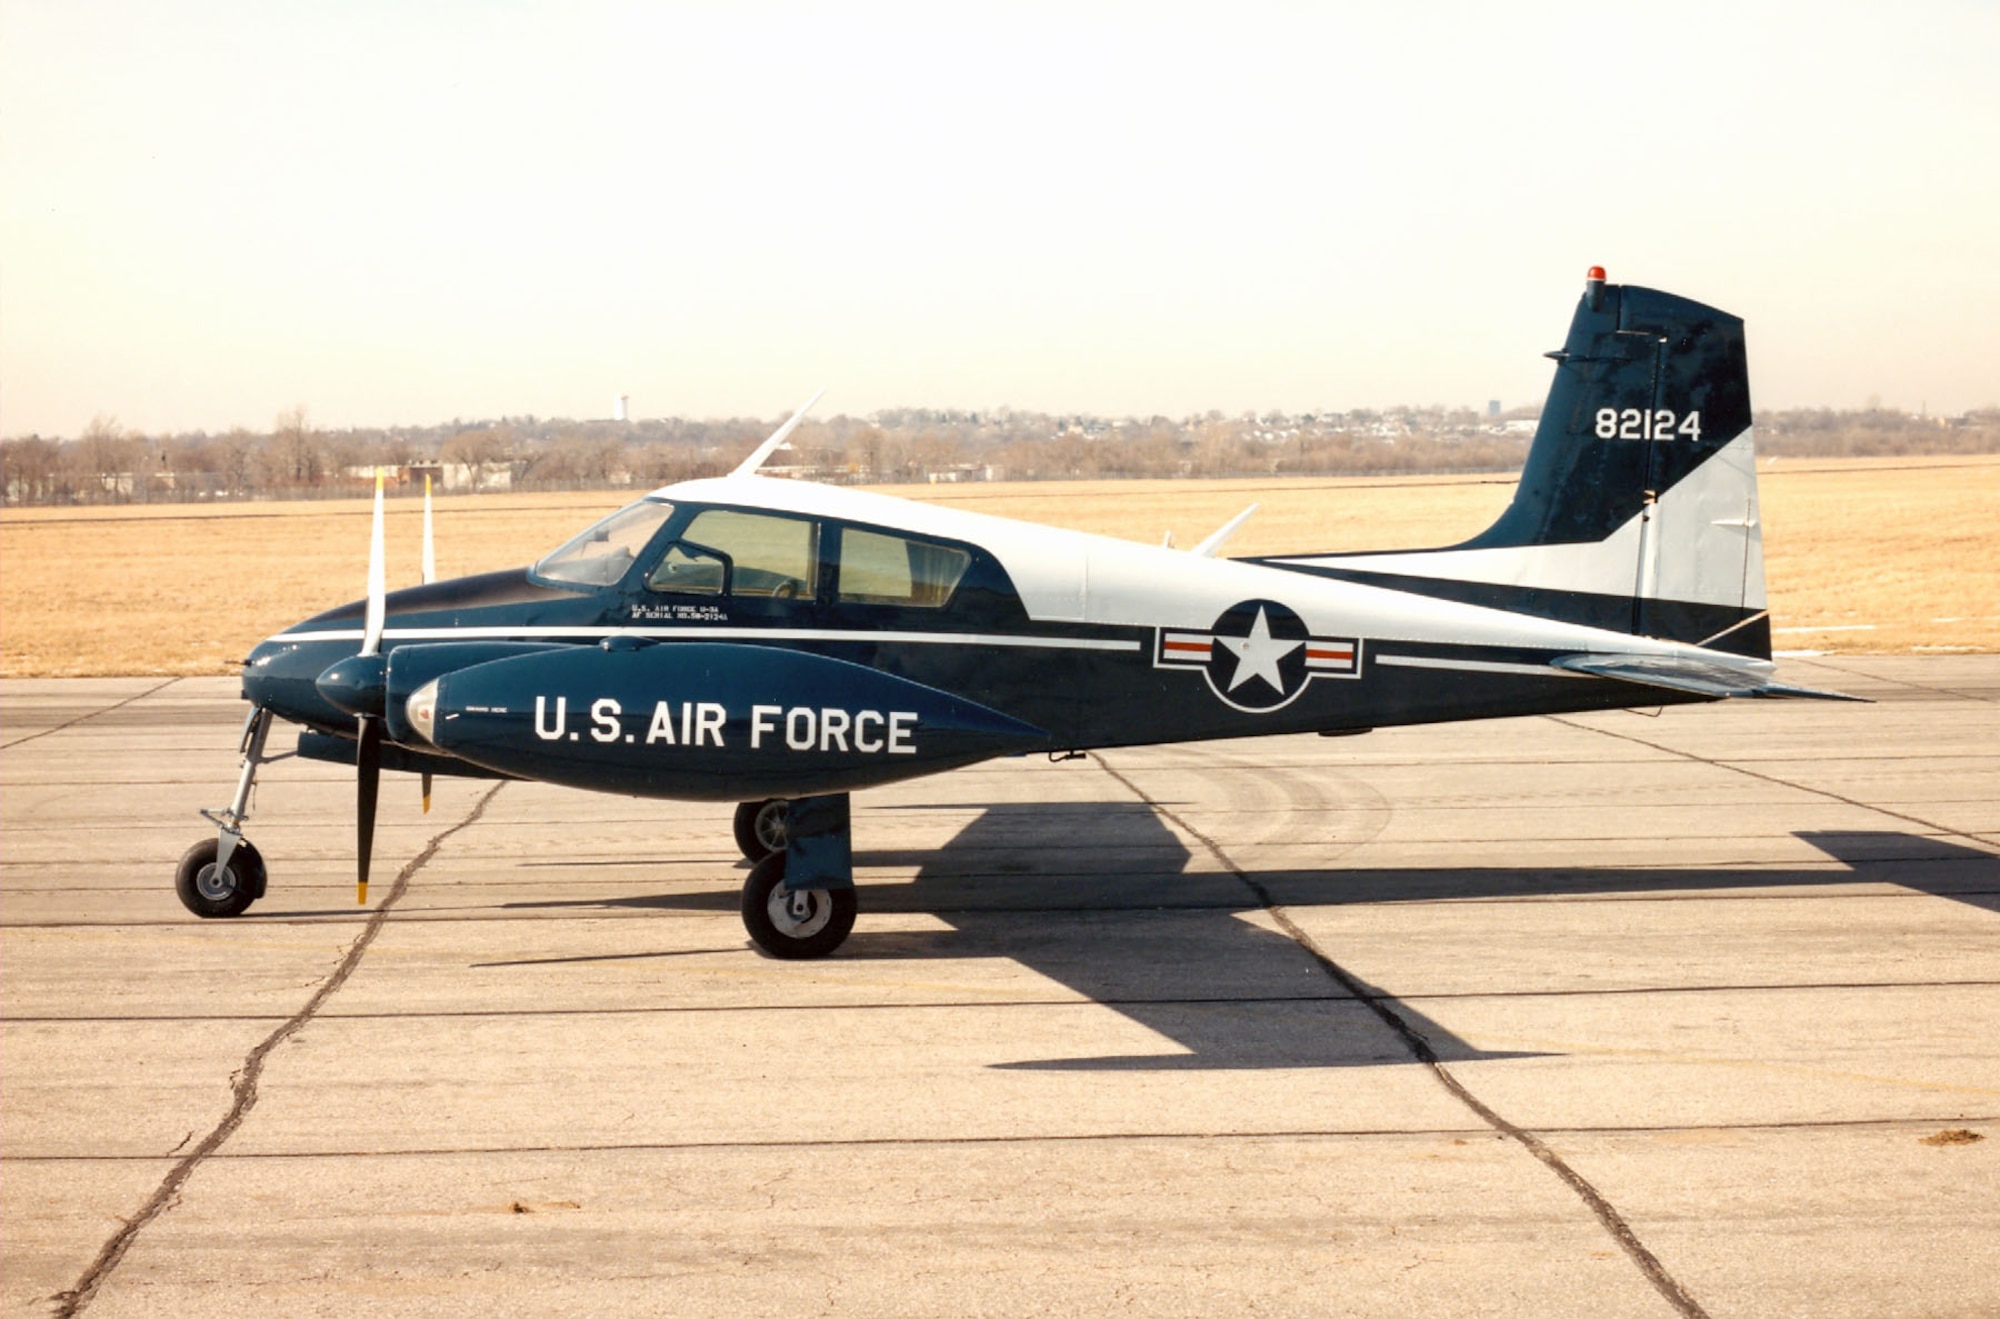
[397,215]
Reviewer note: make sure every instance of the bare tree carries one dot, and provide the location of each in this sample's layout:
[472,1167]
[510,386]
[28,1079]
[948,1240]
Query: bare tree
[296,454]
[106,456]
[29,469]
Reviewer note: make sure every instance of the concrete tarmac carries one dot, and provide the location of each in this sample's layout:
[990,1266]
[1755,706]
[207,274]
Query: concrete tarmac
[1607,1015]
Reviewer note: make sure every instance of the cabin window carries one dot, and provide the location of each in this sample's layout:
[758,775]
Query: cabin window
[879,569]
[767,555]
[603,555]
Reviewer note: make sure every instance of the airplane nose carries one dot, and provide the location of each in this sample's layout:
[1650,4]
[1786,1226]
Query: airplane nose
[356,684]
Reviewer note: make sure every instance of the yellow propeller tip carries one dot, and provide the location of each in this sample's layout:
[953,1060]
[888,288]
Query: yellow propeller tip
[361,894]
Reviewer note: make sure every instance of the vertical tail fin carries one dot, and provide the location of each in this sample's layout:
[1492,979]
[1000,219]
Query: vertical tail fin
[1637,509]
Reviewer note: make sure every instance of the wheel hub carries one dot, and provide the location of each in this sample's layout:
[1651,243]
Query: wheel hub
[799,913]
[771,826]
[215,883]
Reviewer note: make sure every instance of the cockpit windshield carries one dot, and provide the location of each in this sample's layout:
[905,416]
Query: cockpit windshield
[603,554]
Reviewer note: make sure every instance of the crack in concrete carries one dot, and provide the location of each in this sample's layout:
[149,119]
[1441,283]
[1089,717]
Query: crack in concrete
[1736,767]
[243,1084]
[71,723]
[1379,1003]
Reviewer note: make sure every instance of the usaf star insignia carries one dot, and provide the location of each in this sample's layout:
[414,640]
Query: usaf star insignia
[1259,656]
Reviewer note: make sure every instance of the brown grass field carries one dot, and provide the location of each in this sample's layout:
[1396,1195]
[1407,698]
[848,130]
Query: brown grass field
[1893,555]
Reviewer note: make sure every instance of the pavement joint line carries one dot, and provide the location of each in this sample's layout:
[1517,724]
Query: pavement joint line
[244,1084]
[428,916]
[1041,1138]
[1896,682]
[1737,767]
[71,723]
[941,1005]
[1606,1214]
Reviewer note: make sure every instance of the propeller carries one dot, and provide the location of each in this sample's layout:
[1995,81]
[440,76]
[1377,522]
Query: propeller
[368,754]
[430,575]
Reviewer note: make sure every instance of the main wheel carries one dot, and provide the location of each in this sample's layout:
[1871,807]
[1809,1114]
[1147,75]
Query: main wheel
[760,828]
[809,923]
[209,890]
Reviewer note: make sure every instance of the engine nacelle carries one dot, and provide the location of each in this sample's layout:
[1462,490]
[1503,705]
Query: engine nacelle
[705,721]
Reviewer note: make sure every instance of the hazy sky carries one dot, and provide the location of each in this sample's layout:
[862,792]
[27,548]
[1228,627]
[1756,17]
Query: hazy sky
[408,212]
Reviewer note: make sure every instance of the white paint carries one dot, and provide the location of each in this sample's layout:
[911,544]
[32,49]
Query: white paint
[1709,546]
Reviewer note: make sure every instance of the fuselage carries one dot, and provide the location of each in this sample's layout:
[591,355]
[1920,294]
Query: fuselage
[1081,640]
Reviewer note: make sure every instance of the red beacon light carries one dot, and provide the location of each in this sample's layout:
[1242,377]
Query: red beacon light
[1593,287]
[1596,275]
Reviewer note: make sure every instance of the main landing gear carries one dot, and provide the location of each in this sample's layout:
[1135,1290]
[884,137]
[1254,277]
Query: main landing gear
[223,875]
[799,901]
[760,828]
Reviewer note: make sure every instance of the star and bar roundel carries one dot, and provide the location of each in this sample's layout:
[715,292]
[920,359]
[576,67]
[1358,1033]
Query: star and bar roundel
[1259,656]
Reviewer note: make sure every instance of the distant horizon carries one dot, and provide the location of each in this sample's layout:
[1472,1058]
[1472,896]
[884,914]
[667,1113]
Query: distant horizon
[1507,412]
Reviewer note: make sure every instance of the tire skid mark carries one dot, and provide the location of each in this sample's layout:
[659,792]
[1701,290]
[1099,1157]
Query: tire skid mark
[1381,1005]
[243,1085]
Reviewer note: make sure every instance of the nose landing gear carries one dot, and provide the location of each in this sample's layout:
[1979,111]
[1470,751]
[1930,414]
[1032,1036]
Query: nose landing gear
[222,876]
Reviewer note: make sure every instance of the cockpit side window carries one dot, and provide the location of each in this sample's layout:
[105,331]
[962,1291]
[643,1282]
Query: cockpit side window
[768,555]
[603,555]
[880,569]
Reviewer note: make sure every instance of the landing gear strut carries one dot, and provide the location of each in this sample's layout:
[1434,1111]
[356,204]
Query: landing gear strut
[799,901]
[222,876]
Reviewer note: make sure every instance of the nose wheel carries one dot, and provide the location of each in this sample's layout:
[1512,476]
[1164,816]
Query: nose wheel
[795,924]
[209,889]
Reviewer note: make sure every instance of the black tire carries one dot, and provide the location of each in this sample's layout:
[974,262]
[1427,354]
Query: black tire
[828,920]
[210,893]
[760,828]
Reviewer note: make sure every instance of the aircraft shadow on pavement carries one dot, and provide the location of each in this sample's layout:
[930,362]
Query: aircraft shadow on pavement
[1100,898]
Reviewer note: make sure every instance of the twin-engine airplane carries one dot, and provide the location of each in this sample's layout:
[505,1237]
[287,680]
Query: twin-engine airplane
[783,644]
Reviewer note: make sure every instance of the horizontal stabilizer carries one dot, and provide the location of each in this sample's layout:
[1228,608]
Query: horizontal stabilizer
[1703,677]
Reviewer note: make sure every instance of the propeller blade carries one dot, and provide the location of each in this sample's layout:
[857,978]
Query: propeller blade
[427,792]
[430,554]
[368,780]
[371,632]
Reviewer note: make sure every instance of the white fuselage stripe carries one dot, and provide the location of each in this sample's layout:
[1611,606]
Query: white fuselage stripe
[1475,666]
[713,634]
